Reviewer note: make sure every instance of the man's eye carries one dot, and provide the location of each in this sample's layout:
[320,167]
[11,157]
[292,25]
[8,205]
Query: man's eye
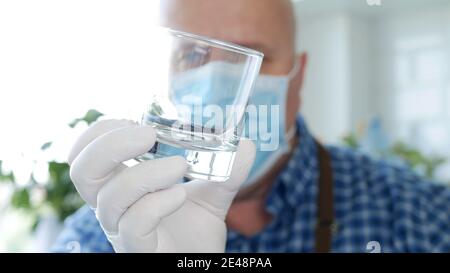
[193,56]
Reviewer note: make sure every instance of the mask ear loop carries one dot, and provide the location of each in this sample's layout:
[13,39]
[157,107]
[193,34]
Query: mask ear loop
[293,130]
[290,134]
[294,70]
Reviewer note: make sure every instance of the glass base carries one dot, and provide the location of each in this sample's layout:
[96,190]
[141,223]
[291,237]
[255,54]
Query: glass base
[210,165]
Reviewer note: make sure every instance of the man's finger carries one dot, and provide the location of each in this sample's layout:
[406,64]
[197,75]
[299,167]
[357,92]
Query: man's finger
[138,224]
[97,129]
[131,184]
[97,162]
[245,155]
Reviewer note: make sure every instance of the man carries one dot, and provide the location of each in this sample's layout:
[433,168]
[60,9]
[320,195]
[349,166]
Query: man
[310,199]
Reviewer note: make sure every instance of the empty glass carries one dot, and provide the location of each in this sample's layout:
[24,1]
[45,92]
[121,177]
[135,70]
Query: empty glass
[197,106]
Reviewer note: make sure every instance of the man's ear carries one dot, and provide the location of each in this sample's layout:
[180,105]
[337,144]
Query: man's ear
[296,84]
[299,78]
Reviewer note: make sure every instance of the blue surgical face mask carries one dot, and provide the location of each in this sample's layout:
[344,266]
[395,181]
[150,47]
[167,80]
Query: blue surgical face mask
[211,82]
[270,91]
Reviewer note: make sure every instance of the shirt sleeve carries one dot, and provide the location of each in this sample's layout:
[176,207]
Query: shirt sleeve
[82,233]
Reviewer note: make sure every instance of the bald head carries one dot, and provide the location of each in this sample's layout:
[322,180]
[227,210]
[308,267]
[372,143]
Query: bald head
[264,25]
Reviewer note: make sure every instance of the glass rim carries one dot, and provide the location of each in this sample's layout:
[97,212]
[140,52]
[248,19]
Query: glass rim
[216,43]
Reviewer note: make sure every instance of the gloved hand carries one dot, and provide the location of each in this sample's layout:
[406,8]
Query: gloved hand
[144,208]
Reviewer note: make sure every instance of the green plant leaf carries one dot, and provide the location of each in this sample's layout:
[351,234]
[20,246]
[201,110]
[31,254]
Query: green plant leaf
[351,140]
[46,145]
[74,122]
[21,199]
[5,177]
[91,116]
[156,109]
[35,222]
[61,193]
[423,163]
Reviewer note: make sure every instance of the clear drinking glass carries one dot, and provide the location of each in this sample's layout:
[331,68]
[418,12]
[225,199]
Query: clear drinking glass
[197,106]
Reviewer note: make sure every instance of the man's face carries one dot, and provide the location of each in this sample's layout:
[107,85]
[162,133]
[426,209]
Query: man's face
[265,25]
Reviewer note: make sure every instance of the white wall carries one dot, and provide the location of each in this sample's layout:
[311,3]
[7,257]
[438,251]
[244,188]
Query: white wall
[393,64]
[325,40]
[362,70]
[414,76]
[337,91]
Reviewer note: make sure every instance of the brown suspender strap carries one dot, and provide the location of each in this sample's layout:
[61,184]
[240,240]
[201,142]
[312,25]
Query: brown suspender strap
[325,211]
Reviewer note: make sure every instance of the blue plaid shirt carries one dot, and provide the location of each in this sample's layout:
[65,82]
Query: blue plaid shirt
[378,206]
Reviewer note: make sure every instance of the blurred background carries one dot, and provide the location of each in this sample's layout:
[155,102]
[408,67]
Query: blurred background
[378,80]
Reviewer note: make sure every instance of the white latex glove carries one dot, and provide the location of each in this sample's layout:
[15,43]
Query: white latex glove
[144,208]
